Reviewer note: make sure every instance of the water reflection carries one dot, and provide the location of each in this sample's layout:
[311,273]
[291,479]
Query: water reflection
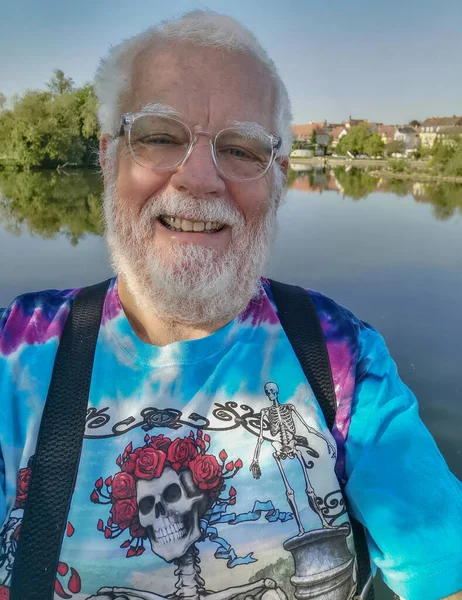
[49,203]
[357,184]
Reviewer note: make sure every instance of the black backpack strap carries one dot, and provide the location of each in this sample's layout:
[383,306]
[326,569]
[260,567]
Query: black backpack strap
[300,321]
[57,455]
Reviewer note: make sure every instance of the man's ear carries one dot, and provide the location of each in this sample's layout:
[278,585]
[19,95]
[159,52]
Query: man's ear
[284,162]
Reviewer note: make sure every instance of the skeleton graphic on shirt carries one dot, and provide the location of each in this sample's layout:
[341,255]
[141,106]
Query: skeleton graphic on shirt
[171,507]
[282,425]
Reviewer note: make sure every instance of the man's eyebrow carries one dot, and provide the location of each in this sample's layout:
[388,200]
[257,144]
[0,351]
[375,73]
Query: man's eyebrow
[160,110]
[249,128]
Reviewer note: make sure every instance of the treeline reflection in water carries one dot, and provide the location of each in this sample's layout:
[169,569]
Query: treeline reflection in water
[50,203]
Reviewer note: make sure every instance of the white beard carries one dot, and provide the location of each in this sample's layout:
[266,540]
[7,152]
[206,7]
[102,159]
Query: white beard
[190,283]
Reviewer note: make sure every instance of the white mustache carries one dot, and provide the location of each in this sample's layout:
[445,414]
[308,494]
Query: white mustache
[217,210]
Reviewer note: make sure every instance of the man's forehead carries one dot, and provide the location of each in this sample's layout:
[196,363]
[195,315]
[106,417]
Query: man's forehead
[158,109]
[207,85]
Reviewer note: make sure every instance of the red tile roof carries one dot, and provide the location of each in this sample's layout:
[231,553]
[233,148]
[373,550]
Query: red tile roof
[337,131]
[306,131]
[387,131]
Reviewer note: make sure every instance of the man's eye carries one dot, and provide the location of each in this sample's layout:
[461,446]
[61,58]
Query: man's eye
[159,140]
[239,153]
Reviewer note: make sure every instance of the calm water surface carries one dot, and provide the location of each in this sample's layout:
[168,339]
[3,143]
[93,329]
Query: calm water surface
[390,251]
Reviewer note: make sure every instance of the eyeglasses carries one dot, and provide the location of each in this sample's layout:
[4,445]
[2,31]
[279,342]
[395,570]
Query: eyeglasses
[165,144]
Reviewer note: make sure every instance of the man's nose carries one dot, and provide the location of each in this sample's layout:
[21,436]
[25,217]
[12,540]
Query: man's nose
[198,176]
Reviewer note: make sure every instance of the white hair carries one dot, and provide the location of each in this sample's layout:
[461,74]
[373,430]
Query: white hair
[202,28]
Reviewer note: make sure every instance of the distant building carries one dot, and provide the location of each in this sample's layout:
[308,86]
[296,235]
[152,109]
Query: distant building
[337,133]
[407,135]
[304,133]
[387,133]
[355,122]
[329,127]
[442,128]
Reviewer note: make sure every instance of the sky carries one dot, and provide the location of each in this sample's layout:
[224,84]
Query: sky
[389,61]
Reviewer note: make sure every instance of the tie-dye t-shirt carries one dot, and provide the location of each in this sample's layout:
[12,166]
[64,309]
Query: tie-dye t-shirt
[207,469]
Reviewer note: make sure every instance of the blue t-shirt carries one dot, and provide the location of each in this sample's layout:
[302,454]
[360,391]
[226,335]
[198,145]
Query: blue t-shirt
[207,466]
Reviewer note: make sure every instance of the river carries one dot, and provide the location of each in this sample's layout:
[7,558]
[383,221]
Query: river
[389,250]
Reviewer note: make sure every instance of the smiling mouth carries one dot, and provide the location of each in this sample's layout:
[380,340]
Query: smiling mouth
[178,224]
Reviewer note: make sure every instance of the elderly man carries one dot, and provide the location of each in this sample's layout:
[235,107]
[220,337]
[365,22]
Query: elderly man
[206,469]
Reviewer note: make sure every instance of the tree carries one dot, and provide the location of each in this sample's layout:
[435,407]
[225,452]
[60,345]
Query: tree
[354,141]
[415,123]
[60,84]
[447,157]
[374,145]
[45,129]
[313,137]
[2,102]
[395,147]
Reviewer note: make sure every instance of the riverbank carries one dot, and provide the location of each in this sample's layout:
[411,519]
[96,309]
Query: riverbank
[415,170]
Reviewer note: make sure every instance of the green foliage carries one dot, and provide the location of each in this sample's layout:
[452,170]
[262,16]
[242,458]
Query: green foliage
[400,187]
[447,157]
[454,165]
[374,145]
[60,84]
[446,198]
[354,141]
[313,137]
[2,101]
[45,129]
[356,183]
[359,140]
[415,123]
[397,165]
[442,153]
[395,147]
[301,145]
[421,152]
[48,203]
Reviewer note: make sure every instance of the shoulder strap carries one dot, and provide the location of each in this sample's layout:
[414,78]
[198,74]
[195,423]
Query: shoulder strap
[57,455]
[300,321]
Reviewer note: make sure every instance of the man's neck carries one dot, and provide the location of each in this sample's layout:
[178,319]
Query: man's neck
[157,331]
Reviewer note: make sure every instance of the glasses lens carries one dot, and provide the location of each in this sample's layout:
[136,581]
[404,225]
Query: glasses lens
[242,156]
[157,142]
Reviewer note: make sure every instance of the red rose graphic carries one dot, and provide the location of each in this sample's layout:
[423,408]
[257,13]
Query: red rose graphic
[206,471]
[4,592]
[123,486]
[23,487]
[129,465]
[123,512]
[159,442]
[149,463]
[181,453]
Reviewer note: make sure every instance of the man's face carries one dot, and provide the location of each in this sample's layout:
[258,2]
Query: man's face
[210,89]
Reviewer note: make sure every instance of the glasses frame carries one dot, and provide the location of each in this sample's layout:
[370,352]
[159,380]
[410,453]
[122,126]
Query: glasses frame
[129,118]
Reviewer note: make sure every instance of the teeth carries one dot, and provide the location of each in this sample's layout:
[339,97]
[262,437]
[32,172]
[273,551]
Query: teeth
[185,225]
[198,226]
[173,531]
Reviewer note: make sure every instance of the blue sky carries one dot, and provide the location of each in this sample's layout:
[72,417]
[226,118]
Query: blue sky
[388,61]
